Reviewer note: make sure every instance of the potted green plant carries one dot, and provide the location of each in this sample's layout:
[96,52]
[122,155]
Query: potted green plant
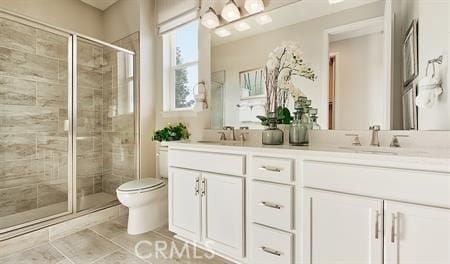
[171,133]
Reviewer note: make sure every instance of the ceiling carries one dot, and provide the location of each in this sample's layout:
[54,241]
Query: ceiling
[100,4]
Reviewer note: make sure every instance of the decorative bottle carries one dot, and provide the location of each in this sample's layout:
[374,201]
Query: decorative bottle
[272,135]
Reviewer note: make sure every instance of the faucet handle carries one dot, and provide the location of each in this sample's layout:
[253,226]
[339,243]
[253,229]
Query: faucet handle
[356,141]
[222,136]
[395,143]
[228,128]
[243,128]
[375,127]
[242,136]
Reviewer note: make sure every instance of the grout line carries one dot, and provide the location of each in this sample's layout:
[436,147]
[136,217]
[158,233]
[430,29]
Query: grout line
[60,252]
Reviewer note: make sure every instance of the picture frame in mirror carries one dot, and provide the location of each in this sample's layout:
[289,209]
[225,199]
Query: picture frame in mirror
[252,83]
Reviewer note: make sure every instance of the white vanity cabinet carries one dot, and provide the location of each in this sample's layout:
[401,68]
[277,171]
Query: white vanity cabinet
[208,207]
[416,234]
[272,210]
[353,228]
[343,228]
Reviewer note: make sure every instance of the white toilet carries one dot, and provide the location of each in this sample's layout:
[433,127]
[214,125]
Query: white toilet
[146,200]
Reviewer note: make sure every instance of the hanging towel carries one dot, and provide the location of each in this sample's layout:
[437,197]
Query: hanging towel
[428,92]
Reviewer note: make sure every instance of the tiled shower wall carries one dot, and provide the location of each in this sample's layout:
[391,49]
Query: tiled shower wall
[119,157]
[33,107]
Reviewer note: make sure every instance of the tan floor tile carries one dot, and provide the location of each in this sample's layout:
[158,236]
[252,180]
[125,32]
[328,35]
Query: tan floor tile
[164,230]
[42,254]
[109,229]
[120,257]
[84,246]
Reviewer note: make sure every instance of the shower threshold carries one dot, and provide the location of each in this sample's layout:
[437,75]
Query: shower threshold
[92,201]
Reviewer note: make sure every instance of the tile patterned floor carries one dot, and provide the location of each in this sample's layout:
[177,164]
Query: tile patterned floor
[109,243]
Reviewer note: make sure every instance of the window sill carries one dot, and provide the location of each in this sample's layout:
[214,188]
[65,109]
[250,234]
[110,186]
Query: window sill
[179,113]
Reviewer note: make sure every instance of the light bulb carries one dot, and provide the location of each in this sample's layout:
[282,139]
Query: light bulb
[230,11]
[221,32]
[210,19]
[254,6]
[241,26]
[263,19]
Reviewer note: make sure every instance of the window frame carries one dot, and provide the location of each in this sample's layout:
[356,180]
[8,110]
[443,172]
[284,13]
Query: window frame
[170,71]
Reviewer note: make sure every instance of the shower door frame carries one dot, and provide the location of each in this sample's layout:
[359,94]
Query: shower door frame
[72,38]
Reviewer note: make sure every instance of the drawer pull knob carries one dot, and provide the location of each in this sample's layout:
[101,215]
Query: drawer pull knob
[267,168]
[271,251]
[271,205]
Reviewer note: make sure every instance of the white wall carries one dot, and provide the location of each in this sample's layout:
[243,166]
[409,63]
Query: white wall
[359,81]
[433,42]
[72,15]
[252,52]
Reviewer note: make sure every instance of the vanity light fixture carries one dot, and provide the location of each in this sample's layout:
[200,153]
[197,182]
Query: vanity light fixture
[221,32]
[332,2]
[254,6]
[241,26]
[230,11]
[263,19]
[210,19]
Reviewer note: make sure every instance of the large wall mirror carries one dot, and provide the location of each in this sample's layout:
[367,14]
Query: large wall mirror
[372,59]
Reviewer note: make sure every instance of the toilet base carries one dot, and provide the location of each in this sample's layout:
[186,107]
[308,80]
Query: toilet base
[146,218]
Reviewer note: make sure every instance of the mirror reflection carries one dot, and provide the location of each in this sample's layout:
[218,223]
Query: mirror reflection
[374,62]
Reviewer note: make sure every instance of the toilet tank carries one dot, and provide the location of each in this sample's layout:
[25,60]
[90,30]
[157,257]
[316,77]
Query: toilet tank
[162,162]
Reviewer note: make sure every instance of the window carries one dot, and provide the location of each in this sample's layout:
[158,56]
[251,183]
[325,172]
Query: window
[181,67]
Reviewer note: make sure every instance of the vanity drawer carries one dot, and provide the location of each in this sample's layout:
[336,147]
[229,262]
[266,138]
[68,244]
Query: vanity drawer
[272,204]
[222,163]
[421,187]
[271,246]
[273,169]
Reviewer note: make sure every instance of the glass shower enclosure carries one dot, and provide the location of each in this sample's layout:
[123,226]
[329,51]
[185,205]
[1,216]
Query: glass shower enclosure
[67,122]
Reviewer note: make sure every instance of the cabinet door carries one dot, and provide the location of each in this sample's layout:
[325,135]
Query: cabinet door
[416,234]
[223,204]
[342,228]
[184,203]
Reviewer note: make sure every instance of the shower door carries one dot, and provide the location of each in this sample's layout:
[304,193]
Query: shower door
[35,135]
[105,122]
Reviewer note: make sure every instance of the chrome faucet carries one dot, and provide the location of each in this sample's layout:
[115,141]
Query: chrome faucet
[233,135]
[375,141]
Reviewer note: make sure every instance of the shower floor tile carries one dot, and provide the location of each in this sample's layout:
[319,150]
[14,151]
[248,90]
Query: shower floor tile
[109,242]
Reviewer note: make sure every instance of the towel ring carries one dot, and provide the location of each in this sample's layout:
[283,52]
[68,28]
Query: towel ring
[433,62]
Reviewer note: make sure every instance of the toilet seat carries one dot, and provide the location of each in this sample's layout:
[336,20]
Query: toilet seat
[142,185]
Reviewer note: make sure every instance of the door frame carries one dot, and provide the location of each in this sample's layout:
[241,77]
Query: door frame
[348,28]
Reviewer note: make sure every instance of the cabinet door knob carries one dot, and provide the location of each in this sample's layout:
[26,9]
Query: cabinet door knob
[271,205]
[267,168]
[271,251]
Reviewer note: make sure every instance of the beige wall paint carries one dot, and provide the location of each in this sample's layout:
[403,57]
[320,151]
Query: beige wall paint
[121,19]
[359,95]
[250,53]
[72,15]
[147,87]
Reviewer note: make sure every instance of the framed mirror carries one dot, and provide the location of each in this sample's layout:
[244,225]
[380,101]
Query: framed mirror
[365,54]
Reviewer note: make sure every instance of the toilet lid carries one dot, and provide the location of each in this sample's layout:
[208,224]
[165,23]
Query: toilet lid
[141,184]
